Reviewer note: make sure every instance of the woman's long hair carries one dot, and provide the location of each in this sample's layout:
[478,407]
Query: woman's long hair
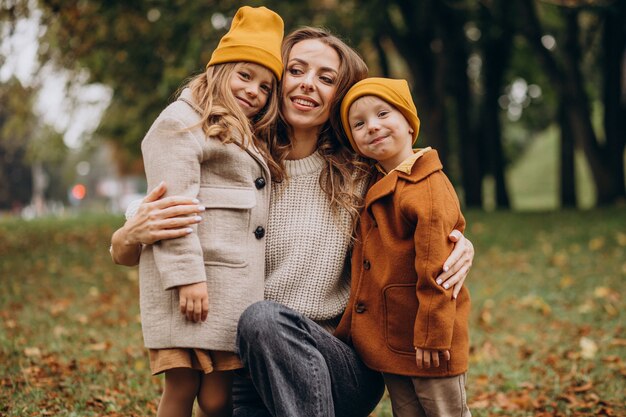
[222,118]
[342,176]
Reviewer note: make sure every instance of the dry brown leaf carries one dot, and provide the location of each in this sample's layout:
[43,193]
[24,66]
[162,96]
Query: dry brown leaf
[32,352]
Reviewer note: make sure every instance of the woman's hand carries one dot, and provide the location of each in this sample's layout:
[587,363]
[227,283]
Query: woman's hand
[458,264]
[162,218]
[156,219]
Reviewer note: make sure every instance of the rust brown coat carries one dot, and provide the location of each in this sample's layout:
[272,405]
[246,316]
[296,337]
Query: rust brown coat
[395,304]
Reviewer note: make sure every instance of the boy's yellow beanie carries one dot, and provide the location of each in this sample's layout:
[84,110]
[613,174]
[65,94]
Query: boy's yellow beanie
[255,35]
[394,92]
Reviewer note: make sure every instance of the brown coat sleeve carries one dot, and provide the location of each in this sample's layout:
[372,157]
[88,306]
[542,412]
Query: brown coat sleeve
[435,211]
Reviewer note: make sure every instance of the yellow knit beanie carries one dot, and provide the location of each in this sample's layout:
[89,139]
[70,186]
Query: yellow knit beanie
[255,35]
[394,92]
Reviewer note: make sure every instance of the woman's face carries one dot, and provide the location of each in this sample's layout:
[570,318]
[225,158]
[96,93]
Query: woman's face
[251,84]
[309,84]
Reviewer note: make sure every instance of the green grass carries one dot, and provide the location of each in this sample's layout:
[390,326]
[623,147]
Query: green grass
[547,326]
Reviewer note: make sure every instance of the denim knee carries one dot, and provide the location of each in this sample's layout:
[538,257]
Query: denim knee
[257,321]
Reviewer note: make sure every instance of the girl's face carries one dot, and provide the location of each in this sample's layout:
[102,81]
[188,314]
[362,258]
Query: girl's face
[251,84]
[309,84]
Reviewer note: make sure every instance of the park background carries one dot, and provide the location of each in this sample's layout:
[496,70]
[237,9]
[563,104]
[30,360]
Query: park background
[525,101]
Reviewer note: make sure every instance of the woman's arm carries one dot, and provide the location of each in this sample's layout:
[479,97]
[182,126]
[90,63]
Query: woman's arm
[458,264]
[156,219]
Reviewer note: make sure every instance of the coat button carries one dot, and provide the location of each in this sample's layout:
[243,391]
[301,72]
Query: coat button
[259,183]
[259,232]
[366,265]
[360,308]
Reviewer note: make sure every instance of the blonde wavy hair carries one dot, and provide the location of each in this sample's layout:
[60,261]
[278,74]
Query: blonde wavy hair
[222,117]
[343,173]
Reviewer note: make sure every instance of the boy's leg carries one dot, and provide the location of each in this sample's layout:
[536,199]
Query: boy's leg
[404,402]
[299,369]
[442,396]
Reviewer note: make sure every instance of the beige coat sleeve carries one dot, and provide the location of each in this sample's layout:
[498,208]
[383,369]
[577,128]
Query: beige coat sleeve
[171,153]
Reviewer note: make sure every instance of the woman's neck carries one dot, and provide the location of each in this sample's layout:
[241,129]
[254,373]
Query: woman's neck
[303,142]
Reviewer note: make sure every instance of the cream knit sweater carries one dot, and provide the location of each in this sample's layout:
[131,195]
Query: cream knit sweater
[306,248]
[306,263]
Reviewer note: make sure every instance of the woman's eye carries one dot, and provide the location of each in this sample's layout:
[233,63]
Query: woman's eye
[295,71]
[327,80]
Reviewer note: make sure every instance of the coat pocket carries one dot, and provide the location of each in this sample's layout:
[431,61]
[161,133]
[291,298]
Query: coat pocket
[223,232]
[400,310]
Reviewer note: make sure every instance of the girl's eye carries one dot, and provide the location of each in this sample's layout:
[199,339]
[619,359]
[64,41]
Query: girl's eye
[244,75]
[383,113]
[357,124]
[266,88]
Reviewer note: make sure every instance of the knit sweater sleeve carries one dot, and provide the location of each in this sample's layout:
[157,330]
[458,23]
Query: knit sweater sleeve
[435,211]
[173,154]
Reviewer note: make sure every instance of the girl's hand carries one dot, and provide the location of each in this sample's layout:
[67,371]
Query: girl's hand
[458,264]
[194,301]
[424,357]
[162,218]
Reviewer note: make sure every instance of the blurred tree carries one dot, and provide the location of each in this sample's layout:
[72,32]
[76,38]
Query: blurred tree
[567,78]
[29,151]
[461,57]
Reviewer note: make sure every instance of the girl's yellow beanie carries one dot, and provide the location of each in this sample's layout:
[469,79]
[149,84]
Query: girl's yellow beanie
[255,35]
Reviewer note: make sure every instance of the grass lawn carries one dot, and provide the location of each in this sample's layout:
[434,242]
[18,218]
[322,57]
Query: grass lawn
[548,324]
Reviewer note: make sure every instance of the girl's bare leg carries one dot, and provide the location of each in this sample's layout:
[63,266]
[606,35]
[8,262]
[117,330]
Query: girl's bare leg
[215,395]
[181,388]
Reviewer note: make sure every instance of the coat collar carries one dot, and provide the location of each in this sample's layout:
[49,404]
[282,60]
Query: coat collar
[422,167]
[187,97]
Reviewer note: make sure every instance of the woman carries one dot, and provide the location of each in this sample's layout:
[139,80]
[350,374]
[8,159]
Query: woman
[295,363]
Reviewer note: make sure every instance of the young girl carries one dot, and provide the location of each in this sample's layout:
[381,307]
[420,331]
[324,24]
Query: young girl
[210,145]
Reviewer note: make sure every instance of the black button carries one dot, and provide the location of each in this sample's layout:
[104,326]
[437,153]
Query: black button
[360,308]
[259,183]
[366,265]
[259,232]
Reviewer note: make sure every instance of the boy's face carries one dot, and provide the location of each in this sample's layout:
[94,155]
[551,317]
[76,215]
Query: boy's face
[380,131]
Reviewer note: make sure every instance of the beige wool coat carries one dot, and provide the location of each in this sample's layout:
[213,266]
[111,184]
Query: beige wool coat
[226,249]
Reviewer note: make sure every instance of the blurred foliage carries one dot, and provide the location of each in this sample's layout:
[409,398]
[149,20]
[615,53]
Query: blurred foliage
[145,50]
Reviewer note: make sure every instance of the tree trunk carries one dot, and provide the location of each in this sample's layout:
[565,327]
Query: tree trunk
[567,190]
[579,114]
[614,91]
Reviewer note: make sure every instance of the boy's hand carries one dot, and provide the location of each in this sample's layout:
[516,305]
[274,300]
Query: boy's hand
[194,301]
[424,357]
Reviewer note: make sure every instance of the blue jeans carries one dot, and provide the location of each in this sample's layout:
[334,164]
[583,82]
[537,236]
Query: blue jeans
[298,369]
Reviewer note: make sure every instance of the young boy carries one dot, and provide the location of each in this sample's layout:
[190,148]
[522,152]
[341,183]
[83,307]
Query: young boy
[398,319]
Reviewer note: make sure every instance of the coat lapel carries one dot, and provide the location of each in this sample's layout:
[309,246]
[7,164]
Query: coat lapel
[381,188]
